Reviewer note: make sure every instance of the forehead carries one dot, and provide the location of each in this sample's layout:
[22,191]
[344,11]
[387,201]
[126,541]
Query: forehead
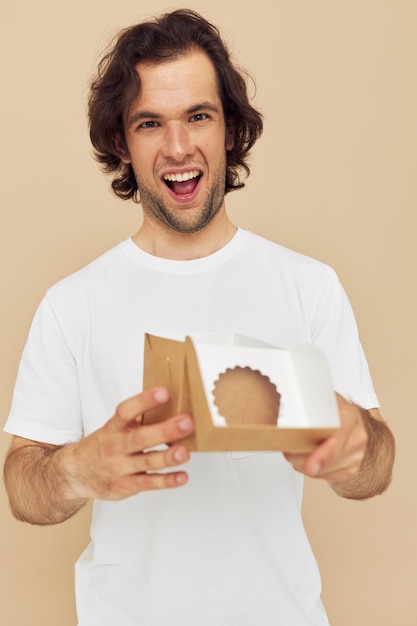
[188,77]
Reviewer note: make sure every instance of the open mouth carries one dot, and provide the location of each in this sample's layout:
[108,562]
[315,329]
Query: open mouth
[182,183]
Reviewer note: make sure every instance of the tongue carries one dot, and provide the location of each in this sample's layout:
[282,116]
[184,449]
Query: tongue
[184,188]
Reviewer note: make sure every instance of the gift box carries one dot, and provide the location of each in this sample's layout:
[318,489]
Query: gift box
[244,394]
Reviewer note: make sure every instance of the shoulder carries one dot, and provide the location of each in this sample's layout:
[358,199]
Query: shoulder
[289,260]
[89,290]
[93,275]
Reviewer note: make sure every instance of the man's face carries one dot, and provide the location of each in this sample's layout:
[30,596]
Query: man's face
[176,141]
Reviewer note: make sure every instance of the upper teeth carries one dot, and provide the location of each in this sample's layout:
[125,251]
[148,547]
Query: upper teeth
[179,178]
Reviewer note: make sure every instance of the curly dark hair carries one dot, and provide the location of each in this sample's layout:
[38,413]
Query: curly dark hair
[117,84]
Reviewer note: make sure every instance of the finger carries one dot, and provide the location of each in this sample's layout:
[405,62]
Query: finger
[334,468]
[322,457]
[133,408]
[312,464]
[159,459]
[131,484]
[166,432]
[335,452]
[148,481]
[162,481]
[297,460]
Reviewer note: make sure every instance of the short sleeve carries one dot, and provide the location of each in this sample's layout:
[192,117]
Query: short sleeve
[46,404]
[335,332]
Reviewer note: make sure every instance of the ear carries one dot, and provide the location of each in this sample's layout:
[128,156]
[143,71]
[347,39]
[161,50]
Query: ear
[230,136]
[121,148]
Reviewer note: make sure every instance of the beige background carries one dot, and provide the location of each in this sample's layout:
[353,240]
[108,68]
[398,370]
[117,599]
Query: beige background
[334,176]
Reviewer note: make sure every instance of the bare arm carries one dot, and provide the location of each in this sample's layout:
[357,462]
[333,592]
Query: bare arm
[358,460]
[36,483]
[375,472]
[48,484]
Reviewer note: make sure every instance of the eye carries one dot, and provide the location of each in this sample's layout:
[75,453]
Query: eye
[149,124]
[199,117]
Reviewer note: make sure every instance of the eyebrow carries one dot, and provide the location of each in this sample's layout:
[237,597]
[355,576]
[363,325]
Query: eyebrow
[209,106]
[141,115]
[150,115]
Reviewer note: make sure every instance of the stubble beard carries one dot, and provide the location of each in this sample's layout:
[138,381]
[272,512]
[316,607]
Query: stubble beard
[185,221]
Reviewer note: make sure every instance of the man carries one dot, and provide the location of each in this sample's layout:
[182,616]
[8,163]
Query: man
[223,542]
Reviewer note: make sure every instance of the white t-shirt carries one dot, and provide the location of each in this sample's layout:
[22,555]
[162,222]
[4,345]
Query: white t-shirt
[229,548]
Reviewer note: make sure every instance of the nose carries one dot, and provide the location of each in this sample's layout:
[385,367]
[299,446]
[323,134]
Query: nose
[177,142]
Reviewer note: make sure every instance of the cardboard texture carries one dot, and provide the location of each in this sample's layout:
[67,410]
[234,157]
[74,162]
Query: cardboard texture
[245,395]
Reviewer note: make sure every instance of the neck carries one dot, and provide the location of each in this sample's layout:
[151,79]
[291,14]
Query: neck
[169,244]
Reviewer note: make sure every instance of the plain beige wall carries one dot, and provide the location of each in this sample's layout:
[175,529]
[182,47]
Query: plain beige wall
[334,176]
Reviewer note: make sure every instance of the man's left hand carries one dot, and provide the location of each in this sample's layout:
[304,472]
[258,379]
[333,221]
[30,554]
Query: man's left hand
[338,458]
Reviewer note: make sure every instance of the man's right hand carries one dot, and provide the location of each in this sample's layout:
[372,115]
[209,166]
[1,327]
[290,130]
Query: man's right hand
[118,460]
[47,484]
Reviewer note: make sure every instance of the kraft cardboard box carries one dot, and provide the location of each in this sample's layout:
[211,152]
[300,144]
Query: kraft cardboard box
[245,395]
